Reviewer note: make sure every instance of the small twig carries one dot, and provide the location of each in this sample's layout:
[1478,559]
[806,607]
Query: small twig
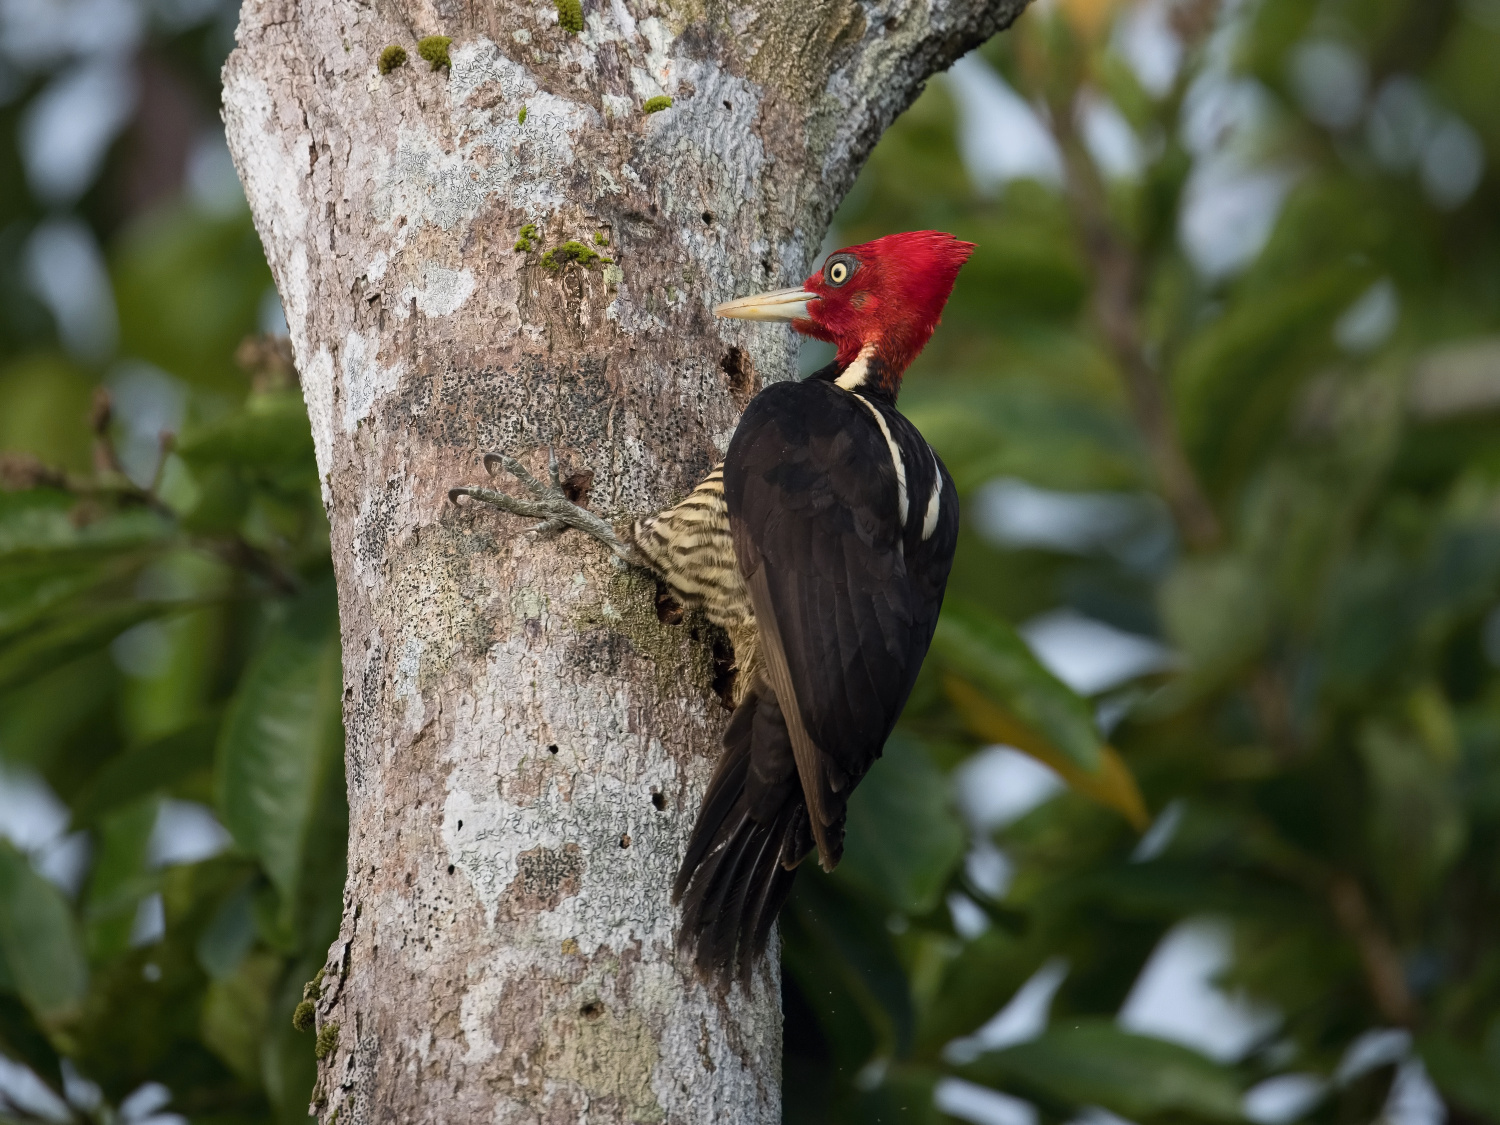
[1118,296]
[1383,970]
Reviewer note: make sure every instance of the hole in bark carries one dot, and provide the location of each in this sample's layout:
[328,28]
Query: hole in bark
[460,825]
[708,217]
[725,672]
[592,1010]
[552,749]
[659,800]
[739,370]
[576,485]
[450,869]
[668,610]
[625,841]
[728,106]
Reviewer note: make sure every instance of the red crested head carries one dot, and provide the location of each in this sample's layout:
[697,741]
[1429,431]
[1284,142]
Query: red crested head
[888,293]
[878,302]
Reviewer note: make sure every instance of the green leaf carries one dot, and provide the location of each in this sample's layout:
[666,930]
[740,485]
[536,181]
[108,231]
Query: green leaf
[28,595]
[121,877]
[976,984]
[1235,380]
[229,935]
[62,581]
[1093,1062]
[270,433]
[71,637]
[280,739]
[903,836]
[39,941]
[904,1096]
[983,432]
[1463,1074]
[188,287]
[236,1011]
[46,401]
[987,653]
[43,520]
[152,767]
[1217,613]
[839,947]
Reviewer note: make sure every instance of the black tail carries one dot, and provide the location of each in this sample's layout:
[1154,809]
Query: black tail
[751,833]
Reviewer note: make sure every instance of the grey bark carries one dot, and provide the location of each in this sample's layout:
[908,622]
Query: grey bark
[515,710]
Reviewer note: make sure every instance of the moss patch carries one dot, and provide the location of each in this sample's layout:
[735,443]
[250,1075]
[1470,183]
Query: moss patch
[434,48]
[302,1017]
[528,232]
[328,1039]
[657,104]
[392,57]
[521,117]
[569,15]
[600,238]
[570,251]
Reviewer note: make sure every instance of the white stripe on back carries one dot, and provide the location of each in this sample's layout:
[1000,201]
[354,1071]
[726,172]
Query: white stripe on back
[901,505]
[934,502]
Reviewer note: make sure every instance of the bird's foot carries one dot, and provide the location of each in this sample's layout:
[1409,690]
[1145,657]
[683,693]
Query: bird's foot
[548,502]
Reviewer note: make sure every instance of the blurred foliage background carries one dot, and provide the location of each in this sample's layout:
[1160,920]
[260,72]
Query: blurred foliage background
[171,787]
[1195,813]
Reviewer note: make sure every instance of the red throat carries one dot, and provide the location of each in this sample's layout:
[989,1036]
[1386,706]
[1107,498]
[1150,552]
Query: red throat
[892,300]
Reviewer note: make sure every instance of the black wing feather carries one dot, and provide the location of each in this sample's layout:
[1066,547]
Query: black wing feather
[811,488]
[846,595]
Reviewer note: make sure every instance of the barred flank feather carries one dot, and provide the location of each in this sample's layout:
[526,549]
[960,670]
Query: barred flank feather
[690,547]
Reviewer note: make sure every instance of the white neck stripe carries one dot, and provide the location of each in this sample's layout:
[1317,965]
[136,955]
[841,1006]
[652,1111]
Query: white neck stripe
[857,372]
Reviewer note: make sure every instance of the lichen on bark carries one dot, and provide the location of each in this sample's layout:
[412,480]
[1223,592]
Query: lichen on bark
[524,767]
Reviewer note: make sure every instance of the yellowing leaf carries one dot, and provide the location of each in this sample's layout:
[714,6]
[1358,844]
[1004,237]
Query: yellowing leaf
[1112,784]
[1089,17]
[986,652]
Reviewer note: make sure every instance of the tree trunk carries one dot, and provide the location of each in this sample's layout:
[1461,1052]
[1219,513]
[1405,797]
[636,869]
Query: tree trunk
[527,740]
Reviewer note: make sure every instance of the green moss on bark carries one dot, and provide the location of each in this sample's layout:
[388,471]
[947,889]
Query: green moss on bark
[434,48]
[570,251]
[392,57]
[328,1039]
[569,15]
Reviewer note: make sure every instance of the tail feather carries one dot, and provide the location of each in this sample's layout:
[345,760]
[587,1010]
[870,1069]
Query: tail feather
[751,833]
[720,936]
[724,791]
[794,839]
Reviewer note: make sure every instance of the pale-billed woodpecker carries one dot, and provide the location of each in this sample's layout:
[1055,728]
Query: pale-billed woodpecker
[822,545]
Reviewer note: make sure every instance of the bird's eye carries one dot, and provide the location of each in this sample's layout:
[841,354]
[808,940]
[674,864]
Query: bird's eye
[839,271]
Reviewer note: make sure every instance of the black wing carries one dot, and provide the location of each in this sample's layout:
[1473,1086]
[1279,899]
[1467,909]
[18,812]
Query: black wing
[846,584]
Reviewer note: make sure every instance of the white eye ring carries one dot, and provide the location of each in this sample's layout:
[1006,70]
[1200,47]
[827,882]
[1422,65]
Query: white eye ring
[838,273]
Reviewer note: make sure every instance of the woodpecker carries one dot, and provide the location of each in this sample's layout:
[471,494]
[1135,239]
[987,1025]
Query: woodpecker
[822,545]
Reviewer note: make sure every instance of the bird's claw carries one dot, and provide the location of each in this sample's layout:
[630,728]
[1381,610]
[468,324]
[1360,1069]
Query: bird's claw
[548,501]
